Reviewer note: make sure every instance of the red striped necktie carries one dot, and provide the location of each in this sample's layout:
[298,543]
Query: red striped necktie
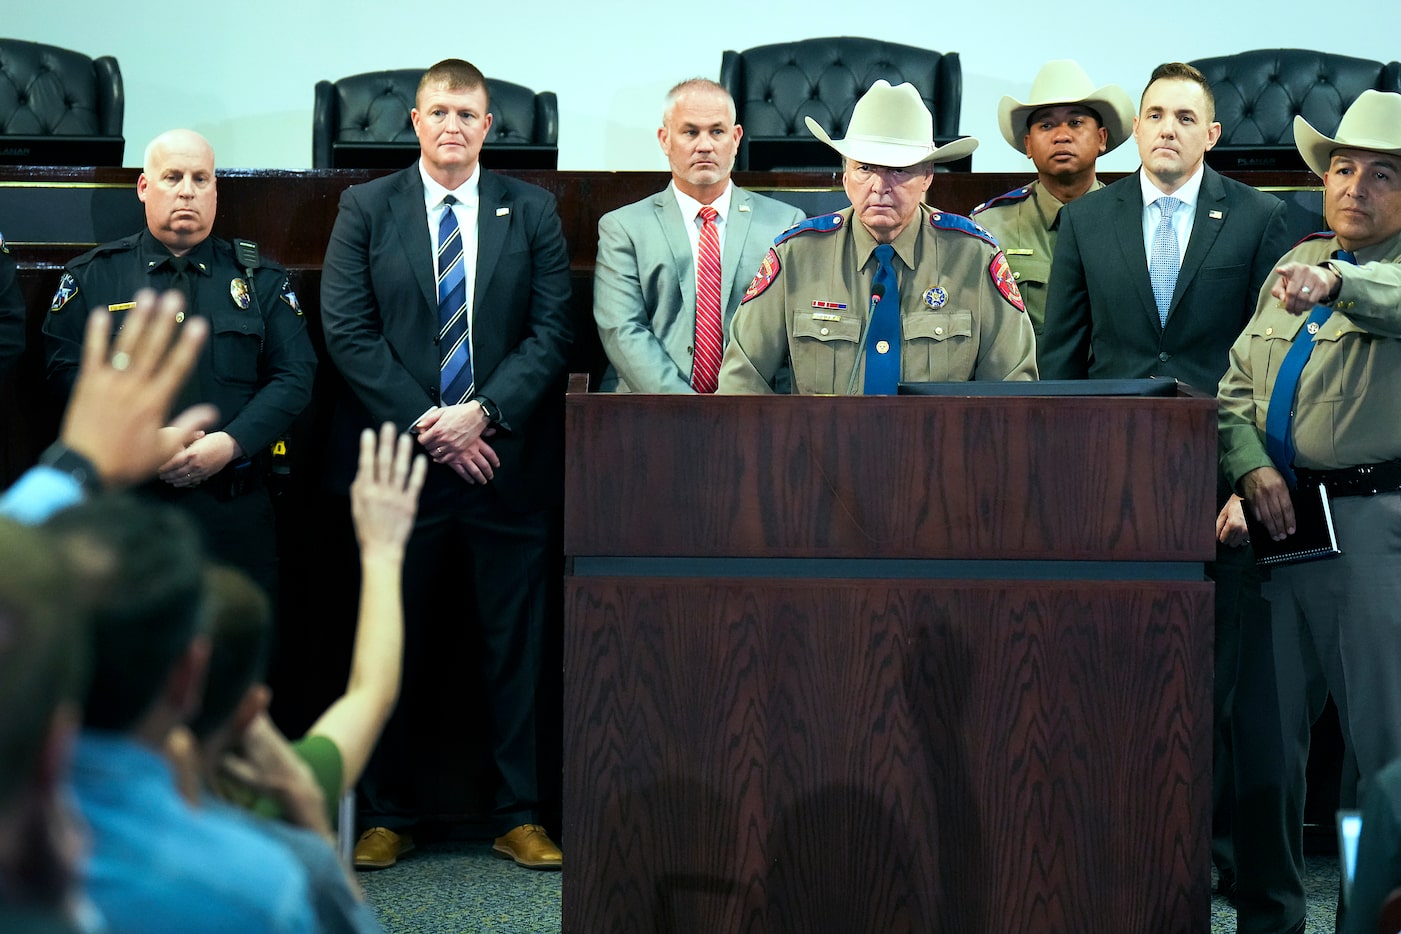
[705,368]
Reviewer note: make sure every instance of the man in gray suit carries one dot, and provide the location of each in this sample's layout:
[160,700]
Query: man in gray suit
[652,270]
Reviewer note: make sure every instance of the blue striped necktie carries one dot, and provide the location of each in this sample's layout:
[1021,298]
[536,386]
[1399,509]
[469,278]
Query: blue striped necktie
[1279,415]
[456,382]
[883,335]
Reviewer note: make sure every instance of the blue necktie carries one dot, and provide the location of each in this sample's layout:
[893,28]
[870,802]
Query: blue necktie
[883,336]
[1166,260]
[1279,438]
[456,382]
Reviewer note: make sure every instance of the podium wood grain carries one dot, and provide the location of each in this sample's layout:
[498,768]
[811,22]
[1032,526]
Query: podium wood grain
[809,686]
[762,756]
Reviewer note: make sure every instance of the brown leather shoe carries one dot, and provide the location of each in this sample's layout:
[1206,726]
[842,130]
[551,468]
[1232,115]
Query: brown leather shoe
[530,847]
[380,848]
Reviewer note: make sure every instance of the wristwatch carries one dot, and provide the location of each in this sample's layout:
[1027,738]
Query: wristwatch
[59,456]
[493,414]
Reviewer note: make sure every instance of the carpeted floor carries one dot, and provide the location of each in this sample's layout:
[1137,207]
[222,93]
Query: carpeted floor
[461,888]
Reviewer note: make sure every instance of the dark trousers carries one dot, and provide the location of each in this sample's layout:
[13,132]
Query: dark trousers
[241,532]
[1237,593]
[470,563]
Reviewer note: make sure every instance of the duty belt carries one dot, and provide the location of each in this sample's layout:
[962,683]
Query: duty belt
[1363,480]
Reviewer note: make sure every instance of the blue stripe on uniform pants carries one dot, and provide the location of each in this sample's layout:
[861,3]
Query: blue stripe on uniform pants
[883,339]
[456,382]
[1279,440]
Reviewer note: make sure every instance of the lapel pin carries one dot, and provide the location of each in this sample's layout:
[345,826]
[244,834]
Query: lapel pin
[1214,215]
[502,212]
[744,209]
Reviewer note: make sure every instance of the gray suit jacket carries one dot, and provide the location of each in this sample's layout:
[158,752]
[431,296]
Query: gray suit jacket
[644,294]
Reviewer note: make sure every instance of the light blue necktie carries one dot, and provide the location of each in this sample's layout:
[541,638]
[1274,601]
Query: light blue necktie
[883,336]
[1279,416]
[1166,260]
[456,382]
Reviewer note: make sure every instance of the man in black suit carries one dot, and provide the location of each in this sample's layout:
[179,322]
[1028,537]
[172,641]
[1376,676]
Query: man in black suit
[473,365]
[1136,294]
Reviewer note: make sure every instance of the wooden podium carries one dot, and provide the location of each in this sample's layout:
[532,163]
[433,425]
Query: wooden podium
[888,664]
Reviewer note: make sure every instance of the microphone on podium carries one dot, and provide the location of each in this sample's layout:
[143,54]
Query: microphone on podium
[877,293]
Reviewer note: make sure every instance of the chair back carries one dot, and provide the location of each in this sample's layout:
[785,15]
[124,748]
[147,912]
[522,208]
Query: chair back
[776,86]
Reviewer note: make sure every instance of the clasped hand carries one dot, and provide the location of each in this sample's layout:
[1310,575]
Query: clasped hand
[456,435]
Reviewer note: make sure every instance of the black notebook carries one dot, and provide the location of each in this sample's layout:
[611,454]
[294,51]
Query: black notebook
[1313,538]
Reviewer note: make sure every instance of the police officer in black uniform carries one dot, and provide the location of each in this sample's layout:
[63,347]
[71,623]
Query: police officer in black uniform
[257,366]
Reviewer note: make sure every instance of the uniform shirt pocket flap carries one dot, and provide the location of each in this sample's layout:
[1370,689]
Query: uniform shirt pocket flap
[939,326]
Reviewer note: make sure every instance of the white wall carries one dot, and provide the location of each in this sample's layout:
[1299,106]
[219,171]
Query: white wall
[245,81]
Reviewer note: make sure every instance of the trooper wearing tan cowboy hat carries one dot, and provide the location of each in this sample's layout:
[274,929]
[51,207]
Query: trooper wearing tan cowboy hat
[887,290]
[1314,391]
[1063,127]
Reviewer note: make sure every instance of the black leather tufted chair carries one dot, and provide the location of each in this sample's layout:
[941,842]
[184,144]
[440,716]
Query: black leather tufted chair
[58,107]
[776,86]
[363,122]
[1259,93]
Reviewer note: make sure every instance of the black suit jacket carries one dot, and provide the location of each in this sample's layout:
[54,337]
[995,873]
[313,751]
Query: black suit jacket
[1101,319]
[379,310]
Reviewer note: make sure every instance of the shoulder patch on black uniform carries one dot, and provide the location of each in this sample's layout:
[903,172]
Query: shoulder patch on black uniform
[826,223]
[1011,197]
[67,289]
[947,220]
[1317,235]
[290,297]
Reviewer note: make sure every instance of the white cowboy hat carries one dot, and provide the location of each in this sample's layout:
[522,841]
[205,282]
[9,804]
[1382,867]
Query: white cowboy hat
[891,126]
[1065,82]
[1373,122]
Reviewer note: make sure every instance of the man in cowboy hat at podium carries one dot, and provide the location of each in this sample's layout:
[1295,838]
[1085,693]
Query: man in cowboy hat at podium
[1312,398]
[1065,125]
[887,289]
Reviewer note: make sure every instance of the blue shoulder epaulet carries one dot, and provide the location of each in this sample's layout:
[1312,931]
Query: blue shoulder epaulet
[1317,235]
[825,223]
[1011,197]
[947,220]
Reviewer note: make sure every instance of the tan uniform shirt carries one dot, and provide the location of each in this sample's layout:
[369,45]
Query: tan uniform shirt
[1348,406]
[956,323]
[1024,223]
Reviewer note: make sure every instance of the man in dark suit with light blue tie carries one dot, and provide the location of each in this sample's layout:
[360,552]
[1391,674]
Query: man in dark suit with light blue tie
[1156,275]
[445,304]
[649,262]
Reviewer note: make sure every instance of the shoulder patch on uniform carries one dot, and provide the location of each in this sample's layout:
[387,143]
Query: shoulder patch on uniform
[823,224]
[67,289]
[1002,278]
[290,297]
[1011,197]
[768,271]
[947,220]
[1317,235]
